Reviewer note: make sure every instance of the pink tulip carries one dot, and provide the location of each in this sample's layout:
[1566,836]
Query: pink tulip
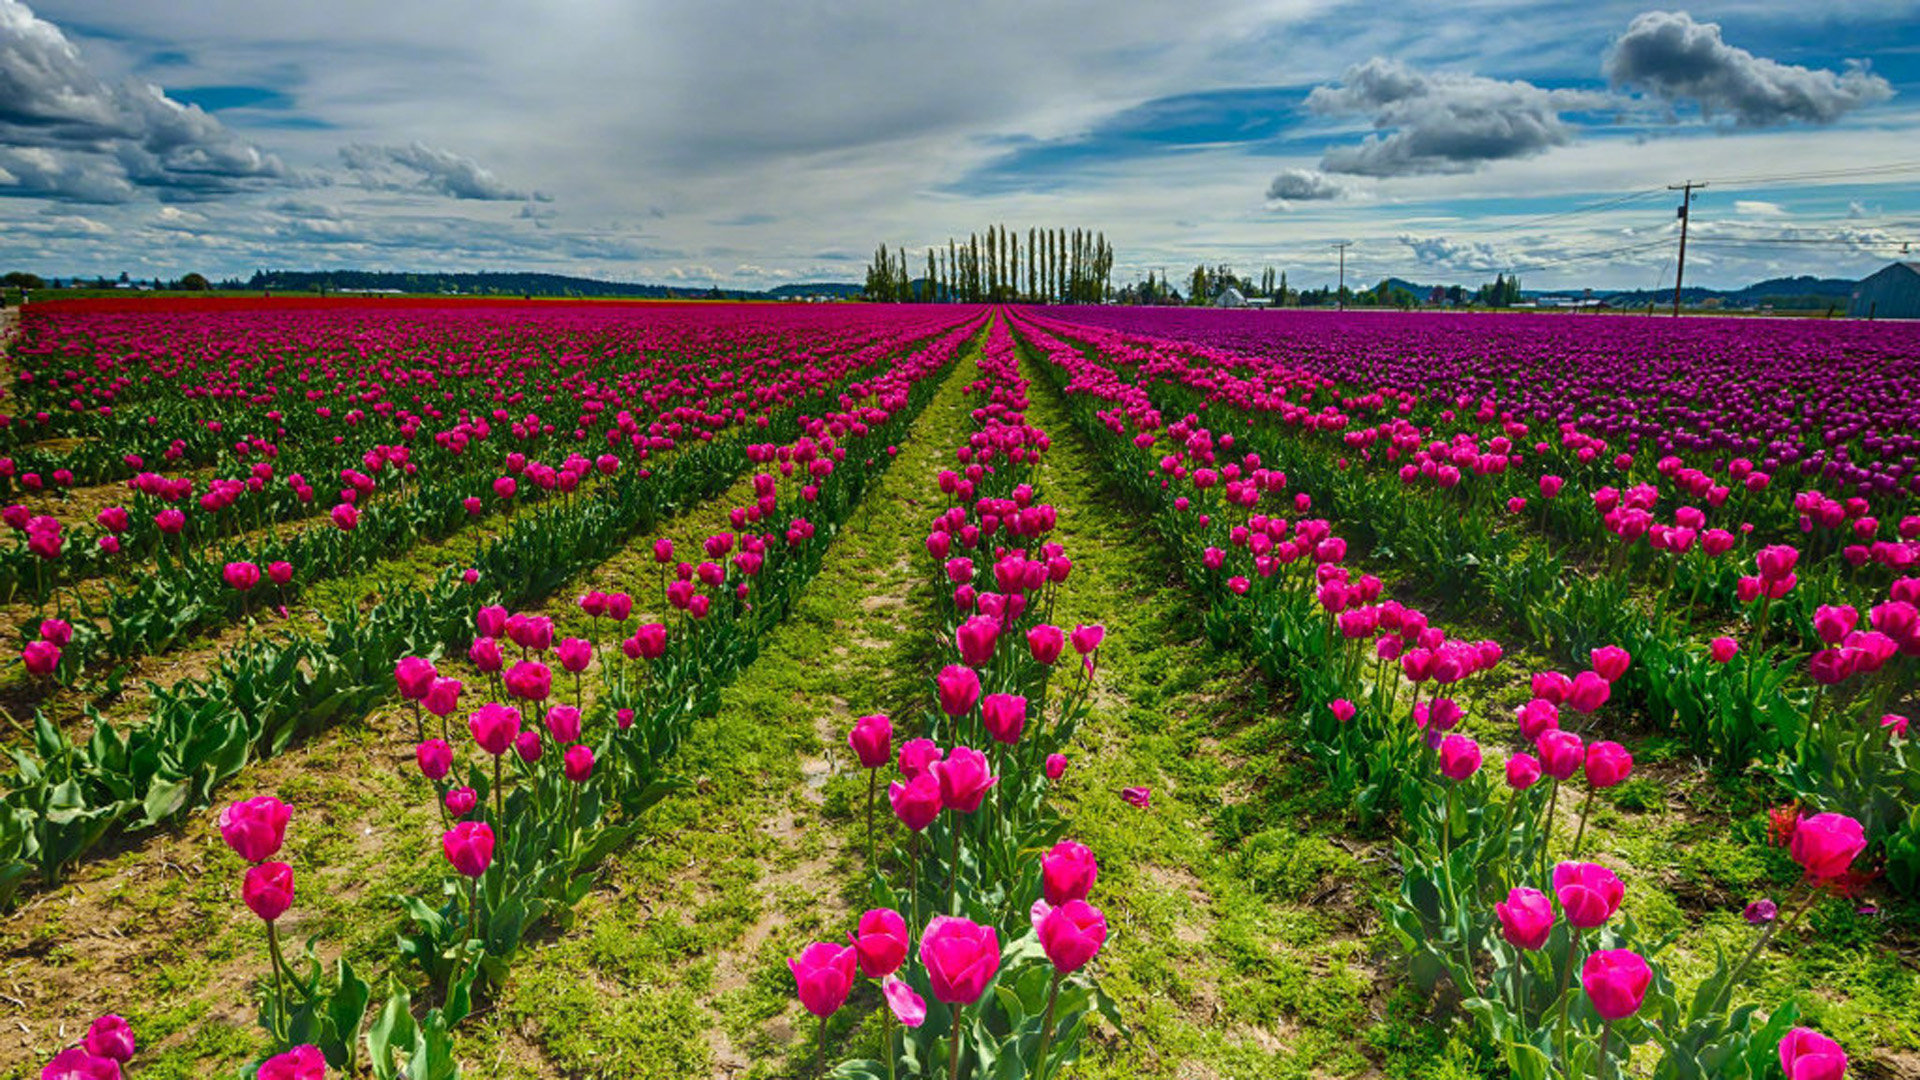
[255,828]
[443,697]
[303,1062]
[529,680]
[577,763]
[414,676]
[1825,845]
[1723,649]
[345,517]
[1045,642]
[1616,982]
[1523,771]
[40,657]
[485,654]
[1459,757]
[976,638]
[1005,716]
[57,631]
[267,890]
[1610,662]
[916,801]
[823,974]
[528,747]
[460,801]
[1056,764]
[1526,918]
[111,1037]
[1588,893]
[907,1007]
[1536,718]
[1805,1054]
[1561,753]
[469,847]
[881,942]
[1071,934]
[563,723]
[1553,687]
[1590,691]
[435,758]
[493,726]
[1608,763]
[917,755]
[872,741]
[241,575]
[280,573]
[574,654]
[1086,639]
[491,621]
[1137,797]
[78,1063]
[1068,872]
[960,958]
[965,778]
[959,689]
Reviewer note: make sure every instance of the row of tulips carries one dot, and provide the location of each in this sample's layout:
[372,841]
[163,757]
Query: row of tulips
[62,801]
[1803,687]
[556,770]
[981,934]
[1493,900]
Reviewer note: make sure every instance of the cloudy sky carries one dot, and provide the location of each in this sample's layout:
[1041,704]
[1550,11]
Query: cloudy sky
[752,142]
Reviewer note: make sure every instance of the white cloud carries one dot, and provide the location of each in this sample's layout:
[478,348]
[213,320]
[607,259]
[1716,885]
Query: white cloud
[1675,59]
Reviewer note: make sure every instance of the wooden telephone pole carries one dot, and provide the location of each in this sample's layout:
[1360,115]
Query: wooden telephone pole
[1686,203]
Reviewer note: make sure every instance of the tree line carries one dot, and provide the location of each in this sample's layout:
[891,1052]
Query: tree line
[1057,266]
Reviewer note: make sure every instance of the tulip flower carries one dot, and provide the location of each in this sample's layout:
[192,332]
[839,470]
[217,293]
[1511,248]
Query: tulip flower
[1004,716]
[960,958]
[529,680]
[1055,766]
[110,1036]
[872,741]
[965,778]
[1071,935]
[563,723]
[1615,981]
[1590,691]
[976,638]
[267,890]
[1068,872]
[79,1063]
[1523,771]
[1138,797]
[494,725]
[1045,642]
[959,689]
[435,758]
[1459,757]
[1526,918]
[40,657]
[916,801]
[1760,912]
[303,1062]
[1805,1054]
[469,847]
[907,1007]
[460,801]
[577,763]
[1825,845]
[1723,649]
[823,975]
[917,755]
[1589,894]
[1610,662]
[241,575]
[255,828]
[881,942]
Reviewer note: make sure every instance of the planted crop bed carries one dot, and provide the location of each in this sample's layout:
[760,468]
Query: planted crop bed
[526,689]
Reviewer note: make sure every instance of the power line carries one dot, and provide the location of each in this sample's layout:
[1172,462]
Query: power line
[1891,168]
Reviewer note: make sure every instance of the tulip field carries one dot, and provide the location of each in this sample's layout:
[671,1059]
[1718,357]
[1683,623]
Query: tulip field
[432,688]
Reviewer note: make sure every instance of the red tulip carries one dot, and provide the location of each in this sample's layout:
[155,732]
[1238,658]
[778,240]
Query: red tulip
[460,801]
[1723,649]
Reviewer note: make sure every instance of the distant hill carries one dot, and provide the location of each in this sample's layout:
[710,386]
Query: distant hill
[515,284]
[1804,292]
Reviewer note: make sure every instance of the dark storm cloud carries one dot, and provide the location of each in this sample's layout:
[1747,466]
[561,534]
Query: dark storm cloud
[1442,122]
[1667,55]
[419,167]
[67,134]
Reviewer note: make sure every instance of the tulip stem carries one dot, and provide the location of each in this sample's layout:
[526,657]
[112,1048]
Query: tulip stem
[886,1029]
[820,1050]
[1600,1062]
[499,794]
[1585,805]
[1733,977]
[279,992]
[1546,833]
[953,876]
[873,784]
[1566,980]
[953,1053]
[1046,1027]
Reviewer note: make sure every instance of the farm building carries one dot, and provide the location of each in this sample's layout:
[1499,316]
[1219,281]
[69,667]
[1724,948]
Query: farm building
[1893,293]
[1231,297]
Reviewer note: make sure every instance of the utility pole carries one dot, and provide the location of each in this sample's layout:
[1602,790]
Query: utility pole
[1340,297]
[1686,202]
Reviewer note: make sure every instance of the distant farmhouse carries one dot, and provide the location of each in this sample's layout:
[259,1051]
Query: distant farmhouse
[1893,293]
